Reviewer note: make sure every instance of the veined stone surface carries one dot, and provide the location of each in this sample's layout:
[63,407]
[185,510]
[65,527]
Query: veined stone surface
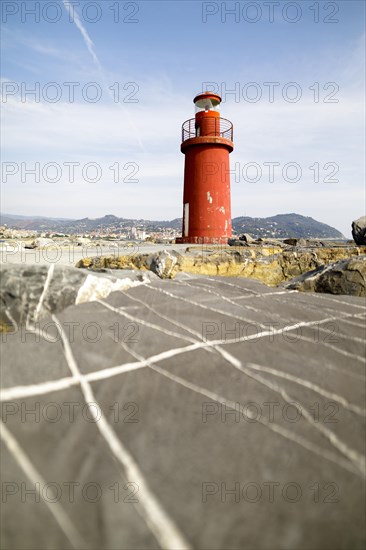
[222,414]
[31,292]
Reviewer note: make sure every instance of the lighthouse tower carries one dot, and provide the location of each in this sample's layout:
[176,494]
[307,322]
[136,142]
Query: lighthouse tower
[207,141]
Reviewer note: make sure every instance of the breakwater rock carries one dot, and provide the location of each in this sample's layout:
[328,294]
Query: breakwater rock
[193,412]
[28,293]
[343,277]
[271,263]
[359,231]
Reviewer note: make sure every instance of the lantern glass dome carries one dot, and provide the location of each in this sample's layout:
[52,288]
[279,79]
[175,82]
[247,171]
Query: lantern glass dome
[207,103]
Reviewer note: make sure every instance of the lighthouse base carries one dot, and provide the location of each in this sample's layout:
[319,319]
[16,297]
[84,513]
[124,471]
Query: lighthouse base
[201,240]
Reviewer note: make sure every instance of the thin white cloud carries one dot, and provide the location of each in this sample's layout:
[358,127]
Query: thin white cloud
[91,49]
[88,41]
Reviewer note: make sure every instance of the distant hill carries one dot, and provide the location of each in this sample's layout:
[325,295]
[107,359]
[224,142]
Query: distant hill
[285,225]
[280,226]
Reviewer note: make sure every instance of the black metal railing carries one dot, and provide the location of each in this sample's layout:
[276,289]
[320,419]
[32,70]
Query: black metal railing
[219,127]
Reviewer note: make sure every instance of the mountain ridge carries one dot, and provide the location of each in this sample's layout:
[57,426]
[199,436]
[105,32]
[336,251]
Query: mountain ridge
[278,226]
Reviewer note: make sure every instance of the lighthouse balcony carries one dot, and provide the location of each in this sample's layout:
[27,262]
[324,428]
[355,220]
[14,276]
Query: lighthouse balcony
[210,127]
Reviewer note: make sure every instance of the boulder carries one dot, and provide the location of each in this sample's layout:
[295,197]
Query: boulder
[22,300]
[164,264]
[299,242]
[30,293]
[40,242]
[246,238]
[236,242]
[30,246]
[291,242]
[343,277]
[208,413]
[359,230]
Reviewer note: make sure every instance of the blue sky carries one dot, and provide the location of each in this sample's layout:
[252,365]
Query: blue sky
[158,55]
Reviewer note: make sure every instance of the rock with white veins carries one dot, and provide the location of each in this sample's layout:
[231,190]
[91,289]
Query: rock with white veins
[30,292]
[196,412]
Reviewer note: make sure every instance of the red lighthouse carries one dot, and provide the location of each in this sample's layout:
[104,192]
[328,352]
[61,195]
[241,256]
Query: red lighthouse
[207,141]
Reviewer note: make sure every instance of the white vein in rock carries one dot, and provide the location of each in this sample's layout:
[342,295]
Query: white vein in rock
[161,525]
[35,478]
[47,283]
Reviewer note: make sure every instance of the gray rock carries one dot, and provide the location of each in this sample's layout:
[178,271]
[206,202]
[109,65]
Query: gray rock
[291,242]
[163,263]
[359,231]
[342,277]
[232,418]
[22,297]
[236,242]
[29,293]
[246,238]
[42,242]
